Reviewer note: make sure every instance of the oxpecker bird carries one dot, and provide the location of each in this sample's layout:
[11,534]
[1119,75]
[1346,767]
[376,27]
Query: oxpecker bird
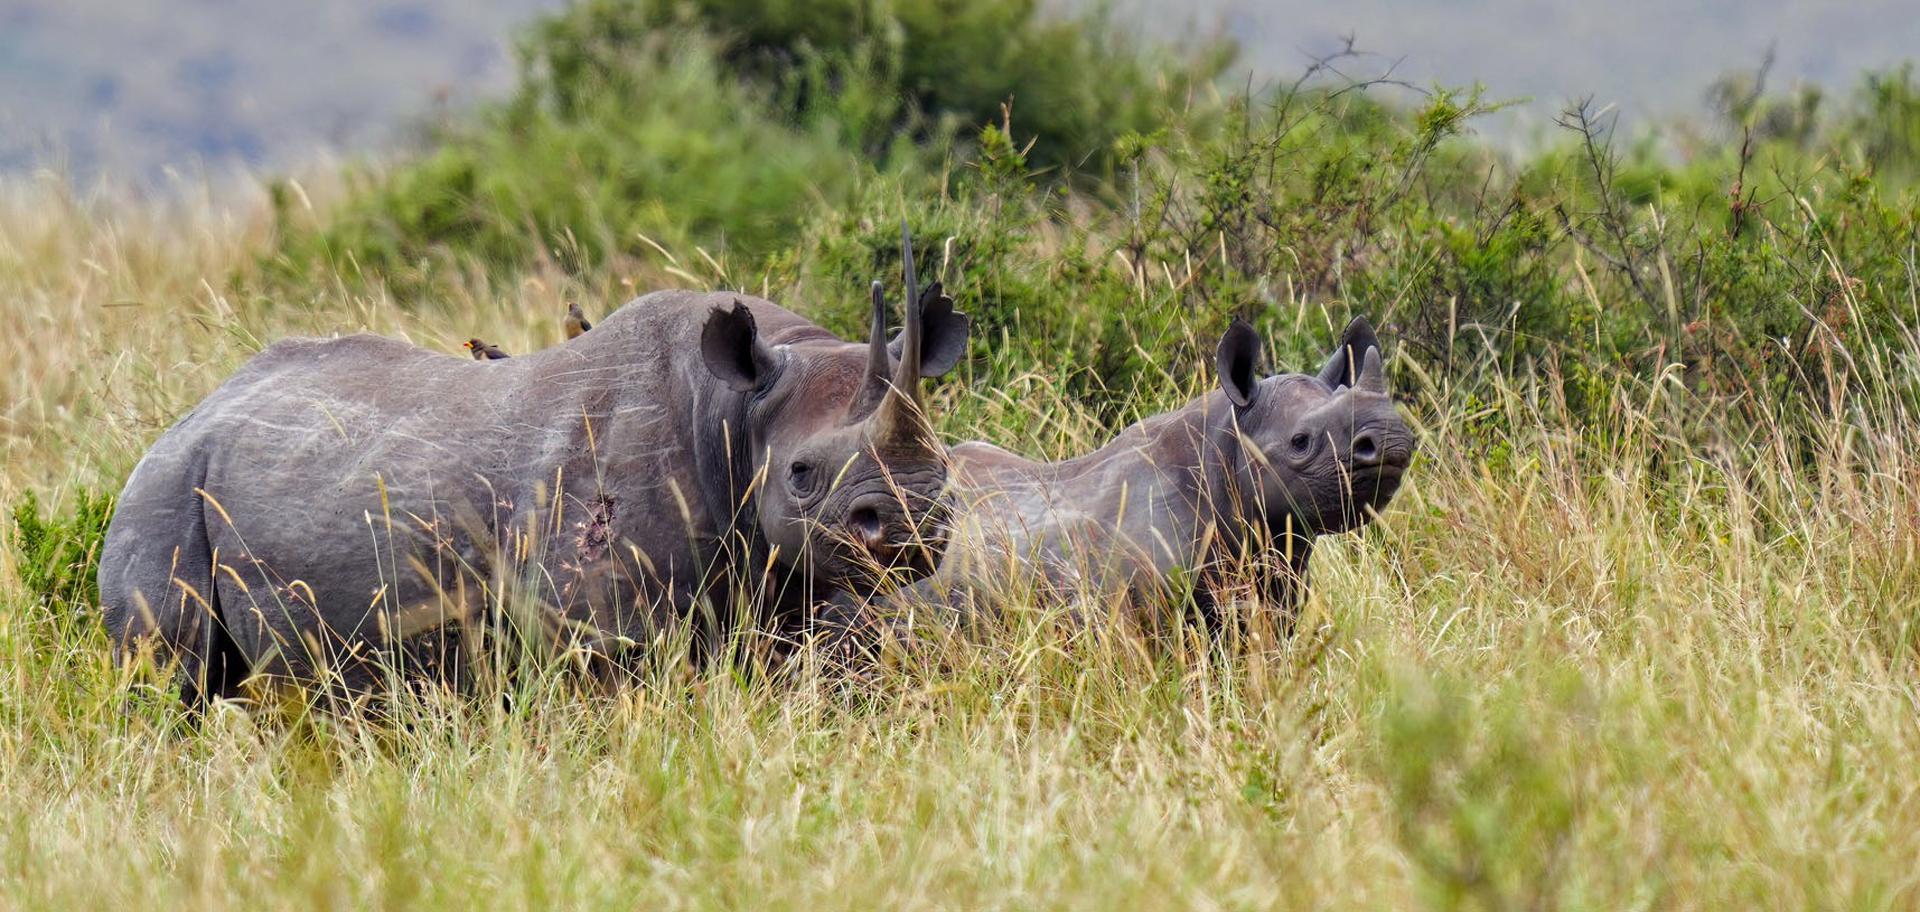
[576,320]
[484,352]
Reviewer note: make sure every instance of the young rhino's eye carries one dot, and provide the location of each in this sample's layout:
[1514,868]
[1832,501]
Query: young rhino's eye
[1299,442]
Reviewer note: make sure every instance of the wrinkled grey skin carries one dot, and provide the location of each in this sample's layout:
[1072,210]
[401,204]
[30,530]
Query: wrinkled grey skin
[1257,467]
[337,498]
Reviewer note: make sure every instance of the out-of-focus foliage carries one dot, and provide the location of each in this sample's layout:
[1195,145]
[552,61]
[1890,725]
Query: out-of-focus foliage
[724,123]
[1092,199]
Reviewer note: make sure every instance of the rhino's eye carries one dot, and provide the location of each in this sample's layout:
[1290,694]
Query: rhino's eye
[800,476]
[1299,443]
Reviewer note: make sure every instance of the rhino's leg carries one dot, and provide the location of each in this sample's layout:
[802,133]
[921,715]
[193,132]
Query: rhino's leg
[158,588]
[222,666]
[1287,586]
[336,617]
[1283,584]
[842,625]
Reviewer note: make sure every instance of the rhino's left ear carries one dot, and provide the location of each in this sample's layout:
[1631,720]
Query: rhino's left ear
[1238,360]
[1343,366]
[944,334]
[733,350]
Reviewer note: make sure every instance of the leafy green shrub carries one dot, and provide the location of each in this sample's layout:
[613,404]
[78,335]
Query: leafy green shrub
[724,122]
[1032,280]
[1092,225]
[879,65]
[58,557]
[1884,123]
[667,144]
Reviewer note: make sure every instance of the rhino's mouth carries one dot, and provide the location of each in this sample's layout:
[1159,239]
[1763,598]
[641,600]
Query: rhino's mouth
[1376,484]
[1340,503]
[902,560]
[914,552]
[1384,484]
[878,538]
[1376,474]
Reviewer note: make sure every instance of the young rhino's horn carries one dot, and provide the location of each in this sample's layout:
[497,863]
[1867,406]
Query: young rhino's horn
[1373,379]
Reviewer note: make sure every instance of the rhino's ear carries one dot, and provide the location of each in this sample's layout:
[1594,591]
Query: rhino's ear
[733,350]
[1343,366]
[1238,360]
[944,334]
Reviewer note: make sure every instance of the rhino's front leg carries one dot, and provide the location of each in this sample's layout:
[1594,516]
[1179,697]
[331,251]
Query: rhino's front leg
[1286,581]
[851,633]
[1264,596]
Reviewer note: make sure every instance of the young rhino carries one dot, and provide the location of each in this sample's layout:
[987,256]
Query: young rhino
[1257,468]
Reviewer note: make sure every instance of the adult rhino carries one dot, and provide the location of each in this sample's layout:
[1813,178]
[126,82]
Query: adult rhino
[1254,469]
[336,499]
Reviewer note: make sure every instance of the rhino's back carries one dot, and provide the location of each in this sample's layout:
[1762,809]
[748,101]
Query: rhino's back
[307,414]
[313,440]
[347,405]
[1007,520]
[1090,523]
[279,462]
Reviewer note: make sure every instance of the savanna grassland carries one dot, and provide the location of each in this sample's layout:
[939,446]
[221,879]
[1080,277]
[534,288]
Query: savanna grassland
[1640,631]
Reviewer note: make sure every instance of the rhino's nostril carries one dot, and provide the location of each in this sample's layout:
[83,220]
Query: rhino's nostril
[1366,450]
[864,523]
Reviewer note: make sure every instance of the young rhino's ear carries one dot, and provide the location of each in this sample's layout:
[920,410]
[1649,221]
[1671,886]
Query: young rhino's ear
[1237,360]
[733,350]
[1343,366]
[944,332]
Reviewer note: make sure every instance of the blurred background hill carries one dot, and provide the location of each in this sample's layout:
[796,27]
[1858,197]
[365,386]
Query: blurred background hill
[1655,58]
[129,89]
[92,86]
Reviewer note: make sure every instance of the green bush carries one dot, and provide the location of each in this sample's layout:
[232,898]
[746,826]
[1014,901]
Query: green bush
[1761,258]
[57,557]
[1486,797]
[724,123]
[665,143]
[1031,278]
[1883,126]
[1582,266]
[880,65]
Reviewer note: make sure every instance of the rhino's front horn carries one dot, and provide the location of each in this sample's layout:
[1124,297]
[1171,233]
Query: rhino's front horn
[878,361]
[1372,378]
[899,418]
[908,378]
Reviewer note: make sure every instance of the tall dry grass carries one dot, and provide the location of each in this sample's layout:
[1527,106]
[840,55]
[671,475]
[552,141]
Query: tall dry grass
[1571,666]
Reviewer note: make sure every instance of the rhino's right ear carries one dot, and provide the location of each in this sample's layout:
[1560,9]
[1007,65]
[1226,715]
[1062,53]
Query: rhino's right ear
[1343,366]
[944,333]
[1237,359]
[733,350]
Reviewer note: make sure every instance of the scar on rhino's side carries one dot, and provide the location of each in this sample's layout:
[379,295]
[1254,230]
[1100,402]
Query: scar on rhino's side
[596,533]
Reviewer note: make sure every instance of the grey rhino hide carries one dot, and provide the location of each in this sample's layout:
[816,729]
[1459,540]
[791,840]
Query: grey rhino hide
[336,497]
[1257,467]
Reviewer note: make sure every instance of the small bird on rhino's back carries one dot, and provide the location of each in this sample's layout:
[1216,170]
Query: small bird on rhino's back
[576,320]
[484,352]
